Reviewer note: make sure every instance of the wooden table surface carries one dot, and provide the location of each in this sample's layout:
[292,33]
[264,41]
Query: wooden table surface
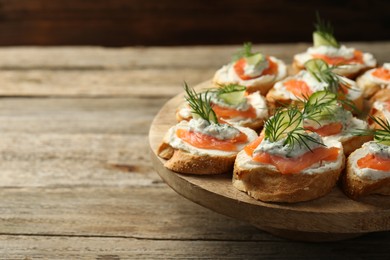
[76,177]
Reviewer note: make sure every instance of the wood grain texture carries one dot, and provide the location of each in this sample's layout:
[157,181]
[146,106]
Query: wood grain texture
[168,22]
[76,177]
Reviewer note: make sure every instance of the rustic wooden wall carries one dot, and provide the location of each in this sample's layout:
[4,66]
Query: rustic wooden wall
[172,22]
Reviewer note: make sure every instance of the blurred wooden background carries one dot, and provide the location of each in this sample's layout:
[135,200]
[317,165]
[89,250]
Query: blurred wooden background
[191,22]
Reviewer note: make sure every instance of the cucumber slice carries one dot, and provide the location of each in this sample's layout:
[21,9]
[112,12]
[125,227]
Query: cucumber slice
[316,65]
[255,59]
[323,97]
[233,98]
[288,121]
[324,39]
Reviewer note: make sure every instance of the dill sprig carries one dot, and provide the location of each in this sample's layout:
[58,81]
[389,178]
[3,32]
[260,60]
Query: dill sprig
[320,106]
[245,51]
[200,104]
[325,31]
[288,125]
[382,134]
[322,72]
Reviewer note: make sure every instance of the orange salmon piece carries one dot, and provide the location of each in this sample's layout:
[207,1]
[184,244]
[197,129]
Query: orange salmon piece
[298,87]
[227,113]
[357,58]
[374,162]
[203,141]
[253,145]
[382,73]
[240,65]
[296,165]
[326,130]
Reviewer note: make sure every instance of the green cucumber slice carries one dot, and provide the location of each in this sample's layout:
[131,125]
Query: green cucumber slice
[316,65]
[233,98]
[255,59]
[324,39]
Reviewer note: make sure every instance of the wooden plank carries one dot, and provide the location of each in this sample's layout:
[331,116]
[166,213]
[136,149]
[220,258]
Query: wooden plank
[155,212]
[99,83]
[33,247]
[121,116]
[171,58]
[136,22]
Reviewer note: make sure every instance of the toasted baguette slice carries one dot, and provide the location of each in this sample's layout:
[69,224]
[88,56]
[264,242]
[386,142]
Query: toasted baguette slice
[356,186]
[184,158]
[185,162]
[227,75]
[280,95]
[370,84]
[264,182]
[353,143]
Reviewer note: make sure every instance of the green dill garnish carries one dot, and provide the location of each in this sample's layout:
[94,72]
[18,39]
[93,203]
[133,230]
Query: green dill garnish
[200,104]
[288,125]
[381,135]
[323,34]
[321,105]
[245,51]
[322,72]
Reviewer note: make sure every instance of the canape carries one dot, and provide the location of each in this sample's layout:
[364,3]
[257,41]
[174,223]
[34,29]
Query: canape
[232,105]
[374,80]
[254,70]
[287,163]
[318,76]
[368,168]
[351,62]
[202,145]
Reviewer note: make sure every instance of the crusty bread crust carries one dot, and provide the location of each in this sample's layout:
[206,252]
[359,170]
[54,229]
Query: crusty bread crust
[267,184]
[355,187]
[369,88]
[353,143]
[381,95]
[184,162]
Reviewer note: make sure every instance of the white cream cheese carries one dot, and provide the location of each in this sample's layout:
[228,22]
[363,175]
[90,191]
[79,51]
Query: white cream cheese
[343,51]
[255,70]
[195,124]
[278,147]
[227,74]
[245,161]
[368,173]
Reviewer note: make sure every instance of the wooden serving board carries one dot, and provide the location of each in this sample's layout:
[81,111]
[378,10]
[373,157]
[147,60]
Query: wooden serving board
[333,217]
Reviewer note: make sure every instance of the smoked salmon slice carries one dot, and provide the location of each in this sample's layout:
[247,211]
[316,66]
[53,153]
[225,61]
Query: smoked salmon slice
[227,113]
[357,58]
[240,65]
[382,73]
[374,162]
[298,87]
[292,165]
[203,141]
[327,130]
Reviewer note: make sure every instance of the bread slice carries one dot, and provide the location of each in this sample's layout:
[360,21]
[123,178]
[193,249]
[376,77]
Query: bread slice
[353,143]
[185,162]
[264,182]
[227,75]
[369,85]
[184,158]
[355,186]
